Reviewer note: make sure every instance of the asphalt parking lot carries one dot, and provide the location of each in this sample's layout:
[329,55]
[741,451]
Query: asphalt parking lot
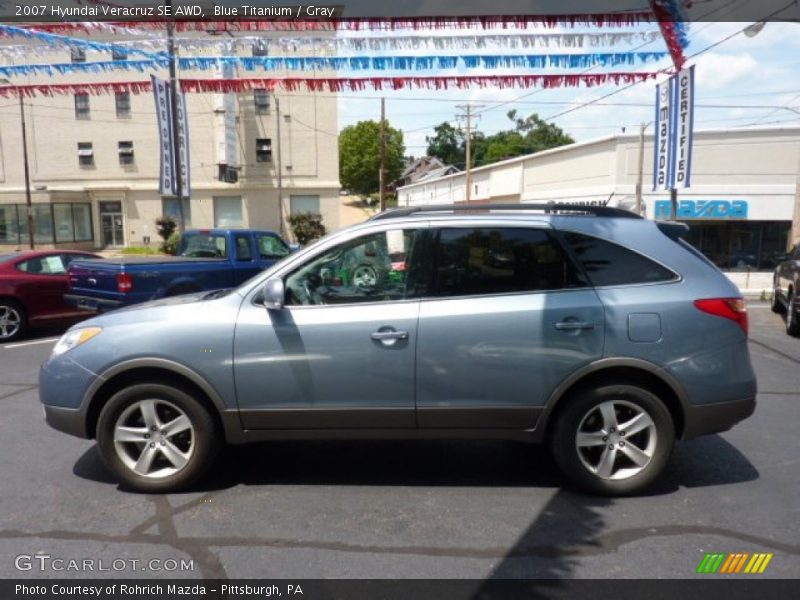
[403,510]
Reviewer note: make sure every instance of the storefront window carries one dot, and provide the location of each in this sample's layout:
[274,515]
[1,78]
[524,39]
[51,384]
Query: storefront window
[9,227]
[53,223]
[741,245]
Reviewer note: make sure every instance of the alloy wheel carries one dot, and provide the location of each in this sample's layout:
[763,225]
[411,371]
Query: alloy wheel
[616,439]
[154,438]
[10,321]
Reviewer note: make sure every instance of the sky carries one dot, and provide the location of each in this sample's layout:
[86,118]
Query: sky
[749,81]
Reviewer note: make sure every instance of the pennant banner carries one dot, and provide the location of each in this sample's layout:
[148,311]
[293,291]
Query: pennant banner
[391,24]
[357,44]
[70,42]
[224,86]
[354,63]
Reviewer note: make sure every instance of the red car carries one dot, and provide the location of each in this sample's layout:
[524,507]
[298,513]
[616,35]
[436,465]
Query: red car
[32,287]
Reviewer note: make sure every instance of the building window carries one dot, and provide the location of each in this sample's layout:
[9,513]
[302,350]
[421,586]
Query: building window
[260,49]
[261,99]
[228,211]
[123,102]
[85,154]
[304,204]
[81,106]
[53,223]
[119,54]
[78,55]
[169,207]
[263,150]
[125,153]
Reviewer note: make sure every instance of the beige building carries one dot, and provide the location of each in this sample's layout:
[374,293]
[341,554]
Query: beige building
[739,206]
[94,160]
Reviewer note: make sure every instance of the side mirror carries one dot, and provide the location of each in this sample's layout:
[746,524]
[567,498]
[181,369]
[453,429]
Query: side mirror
[274,294]
[294,248]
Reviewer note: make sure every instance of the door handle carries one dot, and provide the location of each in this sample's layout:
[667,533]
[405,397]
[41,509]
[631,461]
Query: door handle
[574,325]
[382,336]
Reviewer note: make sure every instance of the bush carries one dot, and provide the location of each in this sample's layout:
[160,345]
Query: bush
[171,245]
[166,226]
[306,227]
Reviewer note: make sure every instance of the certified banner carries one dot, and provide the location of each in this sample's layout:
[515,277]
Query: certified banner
[166,186]
[683,118]
[183,145]
[662,153]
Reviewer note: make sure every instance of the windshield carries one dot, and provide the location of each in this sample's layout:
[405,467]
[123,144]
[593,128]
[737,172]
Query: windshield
[204,245]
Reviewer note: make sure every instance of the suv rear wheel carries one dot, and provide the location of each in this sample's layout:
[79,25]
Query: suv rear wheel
[792,318]
[156,438]
[613,440]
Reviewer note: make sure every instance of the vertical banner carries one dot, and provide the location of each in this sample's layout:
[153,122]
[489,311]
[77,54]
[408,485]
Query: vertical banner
[183,145]
[166,186]
[683,118]
[662,140]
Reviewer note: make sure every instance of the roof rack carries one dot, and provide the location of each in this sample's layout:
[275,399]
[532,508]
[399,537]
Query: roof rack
[550,208]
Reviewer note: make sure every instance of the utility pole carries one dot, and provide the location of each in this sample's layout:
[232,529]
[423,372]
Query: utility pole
[468,115]
[279,168]
[794,234]
[382,173]
[640,172]
[27,171]
[173,100]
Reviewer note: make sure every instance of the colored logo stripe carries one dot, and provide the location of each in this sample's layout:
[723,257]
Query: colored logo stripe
[720,562]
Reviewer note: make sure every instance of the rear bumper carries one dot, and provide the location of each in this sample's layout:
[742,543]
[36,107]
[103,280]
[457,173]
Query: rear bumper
[717,417]
[91,303]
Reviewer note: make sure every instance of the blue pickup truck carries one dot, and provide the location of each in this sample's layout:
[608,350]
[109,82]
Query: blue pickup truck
[207,259]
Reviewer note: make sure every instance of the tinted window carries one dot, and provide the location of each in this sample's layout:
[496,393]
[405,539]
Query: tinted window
[372,268]
[498,261]
[243,250]
[610,264]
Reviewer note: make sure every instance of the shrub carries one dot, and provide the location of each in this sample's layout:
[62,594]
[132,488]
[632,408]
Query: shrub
[306,227]
[171,245]
[166,226]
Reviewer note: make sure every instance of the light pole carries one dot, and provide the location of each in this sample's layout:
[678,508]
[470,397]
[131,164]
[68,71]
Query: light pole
[27,171]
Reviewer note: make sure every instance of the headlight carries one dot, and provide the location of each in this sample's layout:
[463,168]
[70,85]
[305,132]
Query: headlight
[75,338]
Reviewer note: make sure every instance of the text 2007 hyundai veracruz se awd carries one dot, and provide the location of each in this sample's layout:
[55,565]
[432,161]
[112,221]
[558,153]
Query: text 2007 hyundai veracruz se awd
[597,332]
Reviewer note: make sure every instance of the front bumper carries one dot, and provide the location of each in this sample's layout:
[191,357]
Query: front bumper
[66,420]
[714,418]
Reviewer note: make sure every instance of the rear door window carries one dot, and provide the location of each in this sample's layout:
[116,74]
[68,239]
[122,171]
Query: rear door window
[609,264]
[486,261]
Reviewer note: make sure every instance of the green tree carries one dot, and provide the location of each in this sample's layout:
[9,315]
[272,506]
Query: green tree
[447,144]
[359,156]
[529,135]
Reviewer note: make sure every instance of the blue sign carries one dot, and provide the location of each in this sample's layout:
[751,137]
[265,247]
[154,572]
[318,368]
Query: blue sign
[703,209]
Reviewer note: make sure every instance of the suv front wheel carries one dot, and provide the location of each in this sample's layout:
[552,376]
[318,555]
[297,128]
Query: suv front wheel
[156,438]
[613,440]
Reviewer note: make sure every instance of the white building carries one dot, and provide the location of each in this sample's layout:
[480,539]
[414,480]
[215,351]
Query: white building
[739,206]
[94,160]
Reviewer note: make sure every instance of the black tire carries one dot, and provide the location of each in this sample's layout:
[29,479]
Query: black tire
[581,409]
[204,437]
[13,321]
[792,318]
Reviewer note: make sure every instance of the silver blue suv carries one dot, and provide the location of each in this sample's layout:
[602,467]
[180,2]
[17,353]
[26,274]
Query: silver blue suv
[602,334]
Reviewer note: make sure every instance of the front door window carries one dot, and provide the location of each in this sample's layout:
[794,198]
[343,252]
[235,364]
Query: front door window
[113,234]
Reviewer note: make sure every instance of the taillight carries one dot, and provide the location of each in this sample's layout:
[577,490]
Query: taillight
[734,309]
[124,282]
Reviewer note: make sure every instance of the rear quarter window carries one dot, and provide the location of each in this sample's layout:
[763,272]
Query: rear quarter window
[609,264]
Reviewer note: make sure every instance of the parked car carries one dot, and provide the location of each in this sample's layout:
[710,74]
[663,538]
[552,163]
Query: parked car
[208,259]
[785,287]
[32,288]
[595,331]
